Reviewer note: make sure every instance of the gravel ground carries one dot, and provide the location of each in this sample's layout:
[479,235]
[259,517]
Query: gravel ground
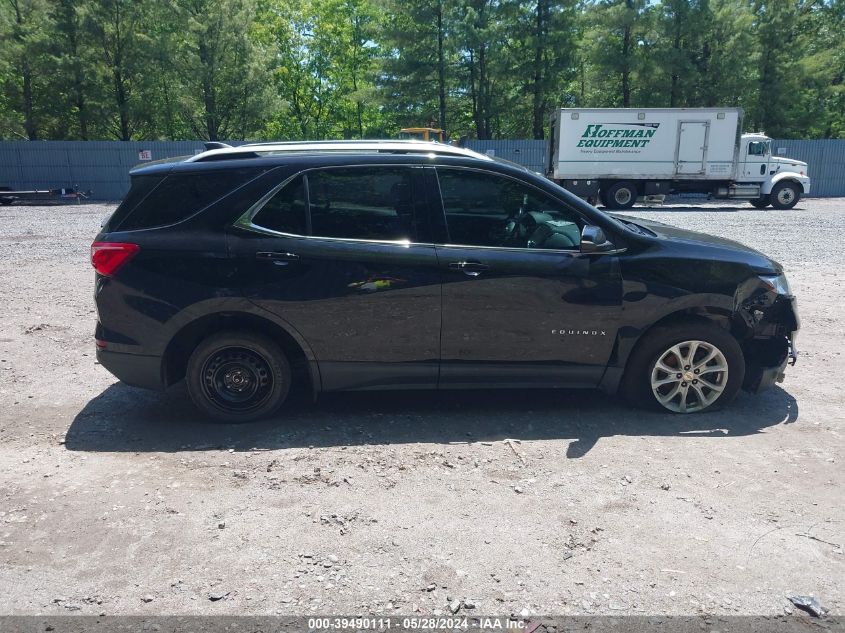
[115,500]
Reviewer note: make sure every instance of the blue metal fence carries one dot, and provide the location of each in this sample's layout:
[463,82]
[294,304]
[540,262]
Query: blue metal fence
[103,166]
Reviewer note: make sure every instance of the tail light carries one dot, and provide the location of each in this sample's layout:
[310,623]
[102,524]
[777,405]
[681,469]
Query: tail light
[108,257]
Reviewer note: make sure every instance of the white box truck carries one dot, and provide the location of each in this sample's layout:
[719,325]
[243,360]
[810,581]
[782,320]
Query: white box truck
[615,155]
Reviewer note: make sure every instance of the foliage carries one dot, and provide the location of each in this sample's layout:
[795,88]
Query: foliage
[309,69]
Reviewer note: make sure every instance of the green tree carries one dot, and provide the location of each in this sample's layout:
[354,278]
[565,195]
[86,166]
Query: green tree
[728,58]
[26,28]
[543,47]
[345,32]
[118,31]
[300,71]
[480,34]
[417,62]
[221,69]
[615,40]
[74,69]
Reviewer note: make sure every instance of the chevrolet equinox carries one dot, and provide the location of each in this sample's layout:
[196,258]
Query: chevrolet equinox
[250,271]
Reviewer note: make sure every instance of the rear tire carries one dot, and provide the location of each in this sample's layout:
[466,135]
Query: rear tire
[762,202]
[785,195]
[621,195]
[238,376]
[685,367]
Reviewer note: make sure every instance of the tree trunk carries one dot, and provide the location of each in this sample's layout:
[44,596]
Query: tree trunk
[78,86]
[209,97]
[28,107]
[122,105]
[474,95]
[483,93]
[441,68]
[626,60]
[676,52]
[539,79]
[26,84]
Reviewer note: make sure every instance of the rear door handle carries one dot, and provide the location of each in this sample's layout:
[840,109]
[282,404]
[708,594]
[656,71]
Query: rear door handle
[472,269]
[277,258]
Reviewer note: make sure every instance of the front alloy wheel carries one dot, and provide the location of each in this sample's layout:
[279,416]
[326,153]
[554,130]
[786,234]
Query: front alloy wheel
[689,376]
[684,367]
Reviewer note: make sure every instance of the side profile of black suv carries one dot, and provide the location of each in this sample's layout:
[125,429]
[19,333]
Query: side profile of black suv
[253,270]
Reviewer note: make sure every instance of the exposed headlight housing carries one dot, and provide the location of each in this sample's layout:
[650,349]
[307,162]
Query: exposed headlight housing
[777,284]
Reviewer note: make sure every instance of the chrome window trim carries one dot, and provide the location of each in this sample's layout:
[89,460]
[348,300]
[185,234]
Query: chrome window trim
[245,220]
[560,251]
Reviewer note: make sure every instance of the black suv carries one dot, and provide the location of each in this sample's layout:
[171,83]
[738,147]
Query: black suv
[250,271]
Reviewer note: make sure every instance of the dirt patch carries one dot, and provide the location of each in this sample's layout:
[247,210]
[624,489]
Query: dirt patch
[115,500]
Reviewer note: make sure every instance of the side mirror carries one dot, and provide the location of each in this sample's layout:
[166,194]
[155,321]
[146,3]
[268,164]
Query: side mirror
[593,240]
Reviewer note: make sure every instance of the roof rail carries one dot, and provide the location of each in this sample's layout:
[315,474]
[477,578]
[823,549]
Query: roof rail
[257,150]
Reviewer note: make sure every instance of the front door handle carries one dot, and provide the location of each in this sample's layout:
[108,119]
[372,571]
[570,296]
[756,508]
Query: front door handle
[277,258]
[471,269]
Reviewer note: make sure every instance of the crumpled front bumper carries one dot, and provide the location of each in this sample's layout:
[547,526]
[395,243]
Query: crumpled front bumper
[759,378]
[767,357]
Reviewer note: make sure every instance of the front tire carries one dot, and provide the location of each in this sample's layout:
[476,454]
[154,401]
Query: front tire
[620,195]
[684,368]
[238,376]
[785,195]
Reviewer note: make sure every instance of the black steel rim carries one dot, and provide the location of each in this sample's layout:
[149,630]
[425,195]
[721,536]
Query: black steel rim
[237,379]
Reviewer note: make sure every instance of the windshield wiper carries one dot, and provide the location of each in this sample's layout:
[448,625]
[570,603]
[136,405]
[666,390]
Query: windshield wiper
[636,227]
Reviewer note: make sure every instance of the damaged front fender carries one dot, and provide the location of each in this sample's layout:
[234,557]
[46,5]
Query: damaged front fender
[768,331]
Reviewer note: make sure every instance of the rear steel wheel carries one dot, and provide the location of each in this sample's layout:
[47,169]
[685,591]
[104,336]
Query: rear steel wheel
[238,376]
[689,376]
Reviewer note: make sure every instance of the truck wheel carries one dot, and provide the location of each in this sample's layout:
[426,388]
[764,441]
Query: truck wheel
[785,195]
[762,202]
[621,195]
[684,368]
[238,376]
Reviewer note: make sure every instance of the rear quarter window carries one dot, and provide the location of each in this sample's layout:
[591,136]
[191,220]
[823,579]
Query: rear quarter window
[154,201]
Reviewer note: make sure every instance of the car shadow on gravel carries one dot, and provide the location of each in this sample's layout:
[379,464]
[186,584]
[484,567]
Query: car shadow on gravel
[124,419]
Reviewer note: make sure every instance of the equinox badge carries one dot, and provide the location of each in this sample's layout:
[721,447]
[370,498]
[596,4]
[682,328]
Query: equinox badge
[580,332]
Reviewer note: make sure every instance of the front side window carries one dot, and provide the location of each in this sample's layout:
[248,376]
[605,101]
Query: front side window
[758,148]
[369,203]
[484,209]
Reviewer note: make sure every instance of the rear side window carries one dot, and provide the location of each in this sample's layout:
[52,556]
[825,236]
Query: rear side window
[285,211]
[176,197]
[140,189]
[368,203]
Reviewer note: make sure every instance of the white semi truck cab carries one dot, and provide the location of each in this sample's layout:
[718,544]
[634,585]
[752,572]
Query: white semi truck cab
[616,155]
[760,169]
